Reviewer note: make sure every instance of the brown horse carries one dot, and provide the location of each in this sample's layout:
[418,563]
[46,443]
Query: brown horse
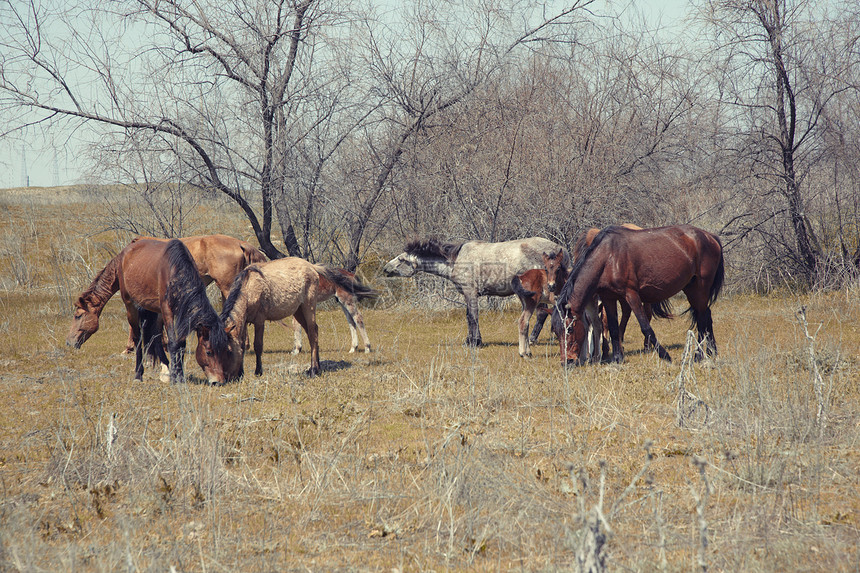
[536,288]
[156,278]
[641,267]
[219,258]
[274,291]
[662,309]
[348,299]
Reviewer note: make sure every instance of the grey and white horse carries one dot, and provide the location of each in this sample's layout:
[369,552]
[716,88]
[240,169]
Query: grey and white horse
[476,268]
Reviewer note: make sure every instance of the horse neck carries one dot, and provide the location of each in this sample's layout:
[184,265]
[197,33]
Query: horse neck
[103,287]
[239,311]
[436,267]
[584,285]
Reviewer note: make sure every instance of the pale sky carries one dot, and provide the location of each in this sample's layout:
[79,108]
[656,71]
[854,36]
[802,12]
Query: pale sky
[39,163]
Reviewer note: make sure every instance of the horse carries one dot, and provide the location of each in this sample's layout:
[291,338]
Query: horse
[275,290]
[662,309]
[159,284]
[219,258]
[476,268]
[641,267]
[536,288]
[347,298]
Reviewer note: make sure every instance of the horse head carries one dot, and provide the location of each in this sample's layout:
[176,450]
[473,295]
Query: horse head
[403,265]
[219,355]
[579,334]
[85,323]
[553,263]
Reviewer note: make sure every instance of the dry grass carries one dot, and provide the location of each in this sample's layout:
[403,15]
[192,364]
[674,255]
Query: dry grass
[423,455]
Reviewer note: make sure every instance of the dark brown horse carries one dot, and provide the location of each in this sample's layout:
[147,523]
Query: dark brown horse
[159,284]
[536,288]
[641,267]
[662,309]
[347,295]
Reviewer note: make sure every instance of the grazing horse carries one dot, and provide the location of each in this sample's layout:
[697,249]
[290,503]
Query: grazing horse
[536,288]
[273,291]
[641,267]
[347,298]
[476,268]
[156,278]
[219,258]
[662,309]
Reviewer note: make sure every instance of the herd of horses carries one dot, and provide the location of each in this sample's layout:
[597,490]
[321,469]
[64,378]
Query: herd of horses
[163,282]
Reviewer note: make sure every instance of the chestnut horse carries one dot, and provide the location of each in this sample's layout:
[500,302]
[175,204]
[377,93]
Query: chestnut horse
[347,298]
[640,267]
[155,278]
[536,288]
[273,291]
[219,258]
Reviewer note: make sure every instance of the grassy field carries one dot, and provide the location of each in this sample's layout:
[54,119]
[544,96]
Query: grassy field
[423,455]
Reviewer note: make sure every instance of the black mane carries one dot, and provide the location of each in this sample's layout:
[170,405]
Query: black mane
[579,263]
[187,298]
[236,289]
[434,248]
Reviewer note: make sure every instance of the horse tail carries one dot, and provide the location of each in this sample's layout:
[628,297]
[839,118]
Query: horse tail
[719,277]
[662,309]
[716,284]
[348,281]
[150,336]
[519,289]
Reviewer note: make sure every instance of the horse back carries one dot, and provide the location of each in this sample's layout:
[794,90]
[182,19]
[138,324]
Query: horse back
[144,273]
[661,261]
[284,286]
[489,268]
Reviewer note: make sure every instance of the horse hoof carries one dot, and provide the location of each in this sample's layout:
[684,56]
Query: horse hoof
[352,351]
[367,350]
[296,351]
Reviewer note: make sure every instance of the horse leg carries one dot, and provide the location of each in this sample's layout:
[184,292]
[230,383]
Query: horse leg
[297,337]
[356,322]
[474,336]
[529,305]
[306,315]
[259,329]
[129,346]
[611,310]
[135,338]
[351,322]
[645,325]
[625,318]
[542,314]
[697,296]
[176,348]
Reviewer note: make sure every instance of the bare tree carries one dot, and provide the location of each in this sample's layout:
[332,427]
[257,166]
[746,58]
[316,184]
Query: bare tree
[216,76]
[775,77]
